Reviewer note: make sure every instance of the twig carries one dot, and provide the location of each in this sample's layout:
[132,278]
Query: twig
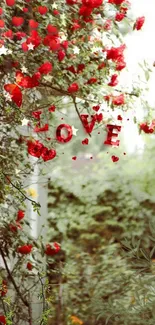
[17,188]
[12,280]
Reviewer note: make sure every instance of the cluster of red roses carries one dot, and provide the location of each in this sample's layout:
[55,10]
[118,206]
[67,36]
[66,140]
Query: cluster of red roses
[147,128]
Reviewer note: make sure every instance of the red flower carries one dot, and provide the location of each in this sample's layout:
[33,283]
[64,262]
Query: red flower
[119,16]
[20,215]
[113,82]
[45,68]
[101,66]
[20,35]
[120,65]
[41,129]
[80,67]
[107,24]
[92,3]
[147,128]
[52,249]
[114,158]
[55,44]
[1,11]
[42,10]
[29,266]
[48,154]
[118,100]
[139,23]
[37,114]
[52,30]
[52,108]
[35,148]
[64,44]
[91,81]
[85,11]
[115,53]
[33,23]
[56,12]
[2,319]
[61,55]
[8,34]
[116,2]
[71,2]
[74,158]
[25,249]
[73,88]
[17,21]
[2,23]
[13,228]
[10,2]
[119,117]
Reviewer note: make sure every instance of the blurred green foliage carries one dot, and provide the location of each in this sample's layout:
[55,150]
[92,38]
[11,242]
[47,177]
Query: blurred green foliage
[102,213]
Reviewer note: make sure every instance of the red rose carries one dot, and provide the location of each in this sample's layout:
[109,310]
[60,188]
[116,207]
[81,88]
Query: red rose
[56,12]
[8,34]
[120,65]
[92,3]
[115,53]
[52,108]
[73,88]
[35,148]
[13,228]
[25,249]
[41,129]
[10,2]
[42,10]
[55,44]
[80,67]
[17,21]
[2,23]
[52,30]
[118,100]
[45,68]
[71,2]
[91,81]
[119,16]
[33,23]
[116,2]
[37,114]
[48,154]
[113,82]
[2,319]
[29,266]
[85,11]
[52,249]
[139,23]
[20,215]
[61,55]
[146,128]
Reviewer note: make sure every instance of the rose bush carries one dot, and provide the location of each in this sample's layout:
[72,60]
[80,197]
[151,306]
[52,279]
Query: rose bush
[48,52]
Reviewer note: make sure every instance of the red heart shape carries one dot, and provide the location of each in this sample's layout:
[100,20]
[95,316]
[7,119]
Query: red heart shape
[85,141]
[17,21]
[114,158]
[48,154]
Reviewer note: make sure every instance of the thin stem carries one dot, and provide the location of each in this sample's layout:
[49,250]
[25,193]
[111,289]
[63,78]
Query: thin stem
[12,279]
[17,188]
